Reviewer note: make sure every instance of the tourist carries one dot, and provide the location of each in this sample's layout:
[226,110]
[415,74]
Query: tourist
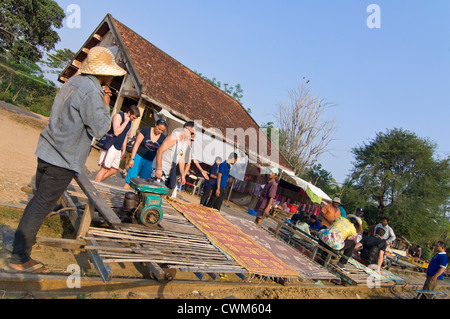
[110,159]
[172,154]
[144,151]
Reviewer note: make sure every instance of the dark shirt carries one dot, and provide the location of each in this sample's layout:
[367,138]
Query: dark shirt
[269,191]
[147,149]
[122,136]
[371,248]
[213,170]
[225,170]
[315,226]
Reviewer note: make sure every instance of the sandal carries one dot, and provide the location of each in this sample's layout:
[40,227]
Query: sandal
[35,269]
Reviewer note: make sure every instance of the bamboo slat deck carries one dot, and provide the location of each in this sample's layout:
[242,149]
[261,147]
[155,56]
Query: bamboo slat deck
[132,243]
[176,244]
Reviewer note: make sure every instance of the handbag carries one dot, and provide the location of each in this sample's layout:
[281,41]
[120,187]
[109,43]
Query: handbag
[106,141]
[130,144]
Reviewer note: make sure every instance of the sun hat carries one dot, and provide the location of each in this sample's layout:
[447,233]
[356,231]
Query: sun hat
[337,200]
[269,170]
[100,61]
[274,170]
[359,222]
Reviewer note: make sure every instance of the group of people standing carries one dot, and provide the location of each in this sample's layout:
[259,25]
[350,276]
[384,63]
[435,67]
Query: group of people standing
[80,114]
[215,189]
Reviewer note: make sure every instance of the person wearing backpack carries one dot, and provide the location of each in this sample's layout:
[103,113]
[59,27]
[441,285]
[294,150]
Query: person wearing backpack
[372,248]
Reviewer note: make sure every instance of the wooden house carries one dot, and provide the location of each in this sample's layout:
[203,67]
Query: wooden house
[163,87]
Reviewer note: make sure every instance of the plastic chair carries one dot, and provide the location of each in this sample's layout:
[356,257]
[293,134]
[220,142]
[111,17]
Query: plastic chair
[196,186]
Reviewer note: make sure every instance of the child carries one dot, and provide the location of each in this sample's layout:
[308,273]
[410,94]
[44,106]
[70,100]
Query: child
[302,225]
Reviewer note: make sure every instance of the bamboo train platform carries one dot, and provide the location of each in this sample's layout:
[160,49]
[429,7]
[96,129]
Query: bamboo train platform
[174,244]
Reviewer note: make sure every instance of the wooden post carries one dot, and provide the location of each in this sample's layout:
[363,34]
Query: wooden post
[231,190]
[86,220]
[97,200]
[127,84]
[137,122]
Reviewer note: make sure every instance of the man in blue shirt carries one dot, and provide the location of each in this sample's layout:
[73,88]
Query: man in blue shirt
[220,192]
[436,268]
[314,225]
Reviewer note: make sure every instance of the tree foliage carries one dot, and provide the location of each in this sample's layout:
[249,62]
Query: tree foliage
[400,177]
[235,91]
[58,61]
[25,85]
[27,27]
[323,179]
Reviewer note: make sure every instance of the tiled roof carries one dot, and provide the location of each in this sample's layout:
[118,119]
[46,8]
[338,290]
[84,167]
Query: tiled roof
[172,84]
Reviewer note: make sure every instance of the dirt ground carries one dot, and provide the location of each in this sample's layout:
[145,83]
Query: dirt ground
[20,133]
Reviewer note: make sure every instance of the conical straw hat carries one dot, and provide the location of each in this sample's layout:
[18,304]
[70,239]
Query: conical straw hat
[100,61]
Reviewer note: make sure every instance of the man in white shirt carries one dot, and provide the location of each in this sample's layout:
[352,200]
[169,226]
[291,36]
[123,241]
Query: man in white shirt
[389,234]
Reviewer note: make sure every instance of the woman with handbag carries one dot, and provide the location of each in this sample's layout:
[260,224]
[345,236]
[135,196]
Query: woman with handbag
[110,158]
[147,143]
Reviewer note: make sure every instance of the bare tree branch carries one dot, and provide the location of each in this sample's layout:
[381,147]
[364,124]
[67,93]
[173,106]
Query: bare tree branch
[304,133]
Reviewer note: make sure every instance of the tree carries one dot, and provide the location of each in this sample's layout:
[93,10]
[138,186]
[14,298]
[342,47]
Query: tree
[59,60]
[27,27]
[25,85]
[323,179]
[235,91]
[402,179]
[304,133]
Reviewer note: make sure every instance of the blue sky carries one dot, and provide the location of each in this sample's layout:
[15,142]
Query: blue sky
[397,76]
